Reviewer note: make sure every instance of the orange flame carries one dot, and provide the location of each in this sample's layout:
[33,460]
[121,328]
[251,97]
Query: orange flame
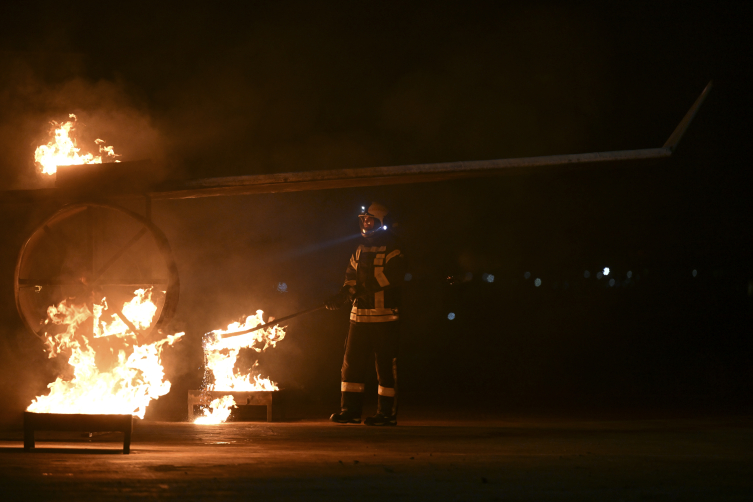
[140,311]
[63,150]
[222,354]
[126,388]
[220,411]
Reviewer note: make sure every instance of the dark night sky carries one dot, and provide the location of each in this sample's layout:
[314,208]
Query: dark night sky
[293,86]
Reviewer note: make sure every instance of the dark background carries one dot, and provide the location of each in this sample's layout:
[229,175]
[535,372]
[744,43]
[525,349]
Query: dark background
[294,86]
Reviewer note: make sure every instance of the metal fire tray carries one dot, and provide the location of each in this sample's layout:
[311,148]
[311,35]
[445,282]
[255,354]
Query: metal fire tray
[204,397]
[75,422]
[140,176]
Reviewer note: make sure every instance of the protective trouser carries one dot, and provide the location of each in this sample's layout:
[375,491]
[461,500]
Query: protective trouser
[364,339]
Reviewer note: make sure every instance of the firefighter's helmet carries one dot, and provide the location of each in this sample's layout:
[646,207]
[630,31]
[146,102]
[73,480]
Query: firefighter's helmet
[376,211]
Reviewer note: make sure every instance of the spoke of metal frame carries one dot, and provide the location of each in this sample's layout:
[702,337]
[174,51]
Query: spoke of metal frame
[30,283]
[90,306]
[48,282]
[90,240]
[120,253]
[148,207]
[159,282]
[147,264]
[128,323]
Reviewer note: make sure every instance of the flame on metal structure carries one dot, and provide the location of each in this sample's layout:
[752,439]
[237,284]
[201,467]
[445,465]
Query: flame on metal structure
[220,411]
[132,381]
[221,355]
[140,311]
[63,150]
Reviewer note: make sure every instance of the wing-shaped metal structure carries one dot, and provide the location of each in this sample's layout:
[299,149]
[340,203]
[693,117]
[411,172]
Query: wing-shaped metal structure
[360,177]
[418,173]
[68,256]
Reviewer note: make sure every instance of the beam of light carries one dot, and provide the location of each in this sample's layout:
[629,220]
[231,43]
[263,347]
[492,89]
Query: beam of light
[606,271]
[312,248]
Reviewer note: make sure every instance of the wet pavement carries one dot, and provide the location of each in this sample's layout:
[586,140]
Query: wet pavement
[709,459]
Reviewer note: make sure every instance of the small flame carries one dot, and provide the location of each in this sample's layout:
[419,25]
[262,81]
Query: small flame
[132,381]
[220,411]
[64,151]
[221,355]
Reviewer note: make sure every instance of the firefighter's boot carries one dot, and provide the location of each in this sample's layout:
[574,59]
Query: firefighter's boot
[386,413]
[351,404]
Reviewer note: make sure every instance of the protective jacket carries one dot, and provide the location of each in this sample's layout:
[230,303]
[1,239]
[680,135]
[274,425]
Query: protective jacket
[376,272]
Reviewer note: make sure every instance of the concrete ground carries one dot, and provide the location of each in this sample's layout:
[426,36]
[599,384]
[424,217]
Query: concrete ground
[710,459]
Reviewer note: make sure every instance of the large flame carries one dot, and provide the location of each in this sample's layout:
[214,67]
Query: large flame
[62,150]
[131,382]
[221,355]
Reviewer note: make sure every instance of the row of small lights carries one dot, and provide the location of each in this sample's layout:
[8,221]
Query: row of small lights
[537,281]
[599,275]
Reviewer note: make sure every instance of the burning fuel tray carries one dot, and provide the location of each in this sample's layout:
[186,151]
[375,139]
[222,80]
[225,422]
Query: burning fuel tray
[75,422]
[204,397]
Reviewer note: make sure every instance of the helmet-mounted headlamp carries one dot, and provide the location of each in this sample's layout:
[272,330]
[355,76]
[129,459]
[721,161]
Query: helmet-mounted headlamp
[378,213]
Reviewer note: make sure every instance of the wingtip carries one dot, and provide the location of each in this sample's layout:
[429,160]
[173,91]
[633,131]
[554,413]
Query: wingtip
[677,134]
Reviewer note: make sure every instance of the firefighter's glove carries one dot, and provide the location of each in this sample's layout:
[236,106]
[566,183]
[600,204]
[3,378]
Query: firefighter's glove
[337,301]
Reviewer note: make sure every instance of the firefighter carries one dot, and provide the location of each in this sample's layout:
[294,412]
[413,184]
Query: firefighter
[372,287]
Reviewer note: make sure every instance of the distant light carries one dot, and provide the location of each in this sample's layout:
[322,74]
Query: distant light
[586,274]
[611,282]
[451,316]
[487,278]
[629,274]
[606,270]
[537,282]
[599,275]
[408,277]
[282,287]
[527,275]
[363,208]
[384,227]
[695,272]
